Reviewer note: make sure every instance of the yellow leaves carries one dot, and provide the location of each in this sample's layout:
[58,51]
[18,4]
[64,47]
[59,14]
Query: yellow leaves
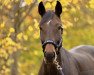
[24,13]
[28,1]
[11,51]
[48,5]
[5,70]
[36,24]
[39,0]
[32,74]
[35,52]
[3,54]
[67,24]
[36,35]
[65,9]
[73,9]
[30,28]
[25,37]
[2,25]
[54,4]
[8,41]
[19,36]
[16,14]
[91,2]
[5,2]
[74,1]
[9,6]
[8,47]
[4,67]
[65,2]
[11,30]
[9,62]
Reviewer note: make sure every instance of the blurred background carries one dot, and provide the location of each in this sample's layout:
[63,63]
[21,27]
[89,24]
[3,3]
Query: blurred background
[20,46]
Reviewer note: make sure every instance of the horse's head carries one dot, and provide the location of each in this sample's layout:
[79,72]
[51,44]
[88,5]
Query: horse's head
[50,31]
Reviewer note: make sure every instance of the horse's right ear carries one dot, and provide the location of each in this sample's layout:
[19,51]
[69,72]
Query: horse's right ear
[58,9]
[41,9]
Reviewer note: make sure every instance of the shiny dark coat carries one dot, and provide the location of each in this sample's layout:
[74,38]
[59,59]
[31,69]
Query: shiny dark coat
[79,61]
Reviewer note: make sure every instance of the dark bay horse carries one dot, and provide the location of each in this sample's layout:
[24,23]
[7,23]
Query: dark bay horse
[58,61]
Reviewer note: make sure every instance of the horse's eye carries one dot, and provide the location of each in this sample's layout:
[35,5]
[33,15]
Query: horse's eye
[59,28]
[40,28]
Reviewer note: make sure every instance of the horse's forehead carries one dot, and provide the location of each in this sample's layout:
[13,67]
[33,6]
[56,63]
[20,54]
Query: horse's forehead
[49,22]
[50,17]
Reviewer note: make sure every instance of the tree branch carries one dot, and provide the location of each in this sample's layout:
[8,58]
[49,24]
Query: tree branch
[28,11]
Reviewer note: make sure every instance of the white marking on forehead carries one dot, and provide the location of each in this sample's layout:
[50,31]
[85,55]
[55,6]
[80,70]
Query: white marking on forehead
[49,22]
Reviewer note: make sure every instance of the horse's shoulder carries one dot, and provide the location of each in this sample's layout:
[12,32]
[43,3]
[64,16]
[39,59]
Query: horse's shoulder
[83,52]
[83,49]
[84,55]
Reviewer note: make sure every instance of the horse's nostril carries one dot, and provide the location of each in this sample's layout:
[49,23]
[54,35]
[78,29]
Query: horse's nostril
[49,55]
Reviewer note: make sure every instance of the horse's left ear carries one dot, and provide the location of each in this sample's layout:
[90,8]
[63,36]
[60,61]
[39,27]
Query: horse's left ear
[41,9]
[58,9]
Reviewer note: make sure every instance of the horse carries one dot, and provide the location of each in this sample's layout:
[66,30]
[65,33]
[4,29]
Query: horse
[57,60]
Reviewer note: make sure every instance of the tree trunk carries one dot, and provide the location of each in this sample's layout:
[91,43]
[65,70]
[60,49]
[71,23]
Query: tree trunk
[16,18]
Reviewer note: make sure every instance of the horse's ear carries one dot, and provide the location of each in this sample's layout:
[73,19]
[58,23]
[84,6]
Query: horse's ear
[41,9]
[58,9]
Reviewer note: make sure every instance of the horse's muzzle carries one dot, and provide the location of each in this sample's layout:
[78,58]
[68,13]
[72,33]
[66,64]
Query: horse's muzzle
[49,56]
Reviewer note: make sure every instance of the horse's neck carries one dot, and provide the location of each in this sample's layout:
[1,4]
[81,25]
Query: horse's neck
[50,69]
[65,61]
